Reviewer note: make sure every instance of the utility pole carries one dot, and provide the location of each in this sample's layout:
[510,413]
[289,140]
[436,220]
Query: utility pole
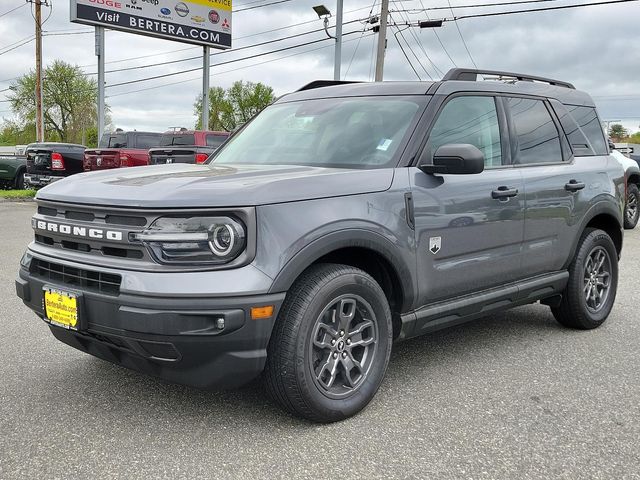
[382,40]
[100,55]
[38,92]
[337,58]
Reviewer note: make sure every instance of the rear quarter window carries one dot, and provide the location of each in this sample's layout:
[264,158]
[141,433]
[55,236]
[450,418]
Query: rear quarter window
[588,121]
[146,140]
[215,140]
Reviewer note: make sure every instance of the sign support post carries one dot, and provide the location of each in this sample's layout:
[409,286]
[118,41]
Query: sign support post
[337,57]
[206,66]
[100,55]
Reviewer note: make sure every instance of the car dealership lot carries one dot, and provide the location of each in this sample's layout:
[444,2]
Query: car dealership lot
[510,396]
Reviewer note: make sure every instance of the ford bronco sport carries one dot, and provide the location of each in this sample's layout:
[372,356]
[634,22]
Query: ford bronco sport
[341,218]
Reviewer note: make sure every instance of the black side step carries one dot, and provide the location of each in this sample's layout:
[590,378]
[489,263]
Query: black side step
[469,307]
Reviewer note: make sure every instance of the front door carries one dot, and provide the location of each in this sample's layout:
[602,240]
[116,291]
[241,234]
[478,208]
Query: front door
[469,228]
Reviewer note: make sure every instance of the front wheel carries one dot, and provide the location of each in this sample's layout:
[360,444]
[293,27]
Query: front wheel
[632,207]
[331,344]
[593,281]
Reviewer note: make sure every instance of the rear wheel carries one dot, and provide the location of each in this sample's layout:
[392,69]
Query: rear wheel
[632,207]
[19,183]
[331,344]
[593,280]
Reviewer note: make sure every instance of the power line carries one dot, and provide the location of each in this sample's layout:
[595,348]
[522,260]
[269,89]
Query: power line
[226,62]
[18,46]
[405,53]
[170,62]
[261,6]
[462,37]
[476,5]
[355,50]
[249,3]
[180,82]
[435,32]
[12,10]
[532,10]
[421,46]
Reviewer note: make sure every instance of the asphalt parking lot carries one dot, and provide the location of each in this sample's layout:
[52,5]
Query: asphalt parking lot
[510,396]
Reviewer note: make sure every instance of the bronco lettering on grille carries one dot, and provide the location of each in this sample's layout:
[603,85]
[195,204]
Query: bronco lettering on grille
[95,233]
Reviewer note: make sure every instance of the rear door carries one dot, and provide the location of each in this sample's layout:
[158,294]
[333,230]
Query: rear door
[552,184]
[469,228]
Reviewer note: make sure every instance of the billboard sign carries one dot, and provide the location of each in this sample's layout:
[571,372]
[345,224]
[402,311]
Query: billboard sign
[202,22]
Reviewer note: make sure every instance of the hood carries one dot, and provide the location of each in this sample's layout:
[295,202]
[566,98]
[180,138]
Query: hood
[185,185]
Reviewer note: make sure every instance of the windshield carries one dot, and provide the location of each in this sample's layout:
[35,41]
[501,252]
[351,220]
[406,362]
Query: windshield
[337,132]
[177,139]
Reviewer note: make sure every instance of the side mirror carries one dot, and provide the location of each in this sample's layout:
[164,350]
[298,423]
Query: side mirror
[457,159]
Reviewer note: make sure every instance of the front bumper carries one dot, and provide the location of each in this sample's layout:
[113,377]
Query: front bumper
[206,342]
[35,180]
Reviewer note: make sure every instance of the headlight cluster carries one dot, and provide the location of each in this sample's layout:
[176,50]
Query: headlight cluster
[194,240]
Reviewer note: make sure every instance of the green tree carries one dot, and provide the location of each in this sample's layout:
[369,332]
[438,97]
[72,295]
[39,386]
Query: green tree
[69,101]
[635,138]
[229,109]
[617,132]
[13,134]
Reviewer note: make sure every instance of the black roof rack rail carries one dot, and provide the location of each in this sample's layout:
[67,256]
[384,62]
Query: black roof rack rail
[324,83]
[469,74]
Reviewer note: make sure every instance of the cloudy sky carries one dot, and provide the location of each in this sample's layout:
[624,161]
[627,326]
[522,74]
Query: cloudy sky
[596,48]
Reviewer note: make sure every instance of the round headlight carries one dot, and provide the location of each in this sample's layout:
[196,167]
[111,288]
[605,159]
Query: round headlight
[223,238]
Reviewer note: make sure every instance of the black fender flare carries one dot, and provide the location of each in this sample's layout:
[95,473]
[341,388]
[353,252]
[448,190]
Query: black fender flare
[600,208]
[360,238]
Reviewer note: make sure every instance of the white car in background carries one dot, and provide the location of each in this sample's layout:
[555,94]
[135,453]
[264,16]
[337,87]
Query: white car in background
[632,177]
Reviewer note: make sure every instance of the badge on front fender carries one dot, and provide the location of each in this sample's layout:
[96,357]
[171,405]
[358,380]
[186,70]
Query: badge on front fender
[435,244]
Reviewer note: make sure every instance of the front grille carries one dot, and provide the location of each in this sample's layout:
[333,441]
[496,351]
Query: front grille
[99,282]
[84,216]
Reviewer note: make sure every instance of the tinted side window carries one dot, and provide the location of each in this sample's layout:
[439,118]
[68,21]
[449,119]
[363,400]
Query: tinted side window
[118,140]
[536,135]
[588,121]
[472,120]
[146,141]
[215,140]
[177,139]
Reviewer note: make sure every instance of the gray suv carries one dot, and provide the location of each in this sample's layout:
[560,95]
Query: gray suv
[342,218]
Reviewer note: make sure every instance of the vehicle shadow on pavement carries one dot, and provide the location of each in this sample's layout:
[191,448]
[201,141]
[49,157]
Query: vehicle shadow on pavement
[413,365]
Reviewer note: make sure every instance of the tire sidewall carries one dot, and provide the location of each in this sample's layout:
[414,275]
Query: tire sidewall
[20,180]
[355,284]
[633,190]
[591,241]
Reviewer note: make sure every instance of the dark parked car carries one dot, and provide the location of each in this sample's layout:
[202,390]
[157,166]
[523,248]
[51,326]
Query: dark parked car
[121,149]
[50,162]
[186,146]
[327,228]
[12,169]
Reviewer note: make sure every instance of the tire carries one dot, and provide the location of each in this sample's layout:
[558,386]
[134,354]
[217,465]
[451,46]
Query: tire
[575,310]
[19,183]
[308,358]
[632,207]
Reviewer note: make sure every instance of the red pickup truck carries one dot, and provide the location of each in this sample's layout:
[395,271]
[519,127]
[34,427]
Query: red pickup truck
[121,149]
[186,146]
